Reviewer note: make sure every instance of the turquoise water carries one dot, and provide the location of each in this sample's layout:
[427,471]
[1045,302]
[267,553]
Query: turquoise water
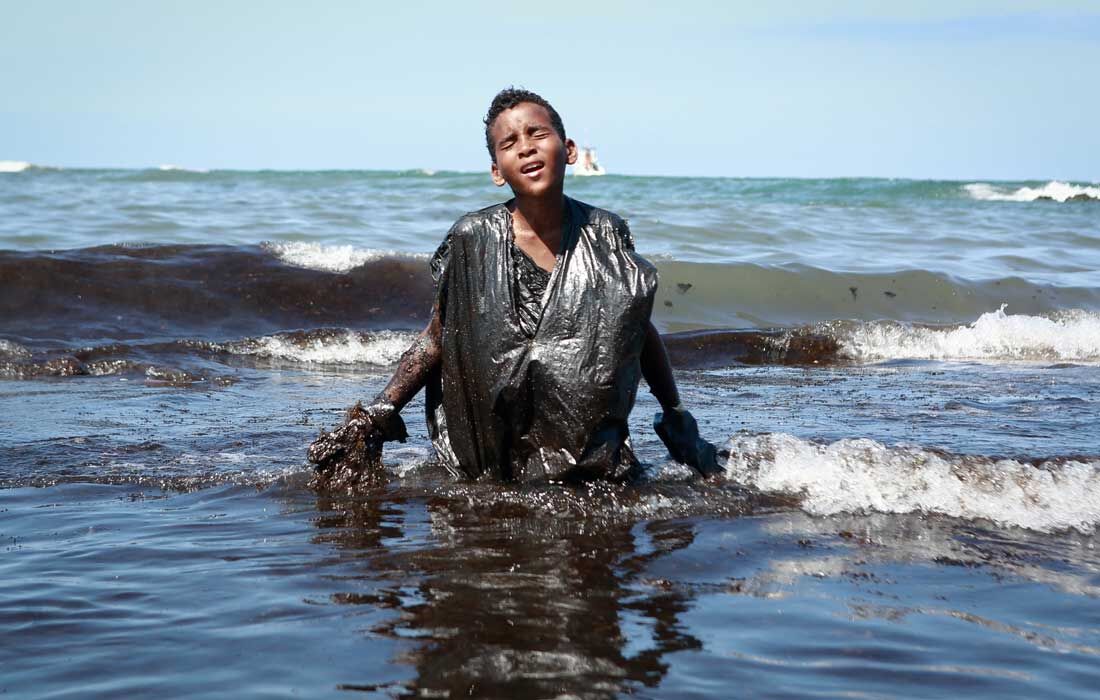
[904,374]
[841,225]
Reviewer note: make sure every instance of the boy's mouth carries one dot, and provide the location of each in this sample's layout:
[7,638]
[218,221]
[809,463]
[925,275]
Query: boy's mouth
[532,167]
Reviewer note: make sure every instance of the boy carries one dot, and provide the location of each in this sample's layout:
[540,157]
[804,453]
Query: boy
[538,337]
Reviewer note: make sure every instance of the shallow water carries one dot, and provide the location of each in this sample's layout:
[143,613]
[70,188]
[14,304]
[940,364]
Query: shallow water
[179,550]
[909,509]
[278,591]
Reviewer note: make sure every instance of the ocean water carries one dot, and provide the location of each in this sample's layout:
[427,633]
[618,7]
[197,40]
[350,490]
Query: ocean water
[903,373]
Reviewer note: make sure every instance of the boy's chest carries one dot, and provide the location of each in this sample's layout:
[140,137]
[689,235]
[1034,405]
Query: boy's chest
[588,272]
[543,253]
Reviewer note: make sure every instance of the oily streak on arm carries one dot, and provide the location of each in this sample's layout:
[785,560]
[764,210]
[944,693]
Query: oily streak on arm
[416,364]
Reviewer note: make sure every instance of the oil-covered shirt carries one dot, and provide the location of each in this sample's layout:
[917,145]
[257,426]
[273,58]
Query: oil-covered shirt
[552,403]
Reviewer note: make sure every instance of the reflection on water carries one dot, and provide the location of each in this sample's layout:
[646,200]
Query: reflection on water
[511,600]
[422,589]
[500,592]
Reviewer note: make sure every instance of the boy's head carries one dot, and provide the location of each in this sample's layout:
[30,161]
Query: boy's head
[509,98]
[526,141]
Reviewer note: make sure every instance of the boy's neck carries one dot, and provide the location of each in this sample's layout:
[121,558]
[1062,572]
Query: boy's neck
[542,216]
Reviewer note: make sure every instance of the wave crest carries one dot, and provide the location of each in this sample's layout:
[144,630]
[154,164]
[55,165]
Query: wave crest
[1072,336]
[383,348]
[1053,190]
[14,166]
[860,475]
[169,168]
[326,258]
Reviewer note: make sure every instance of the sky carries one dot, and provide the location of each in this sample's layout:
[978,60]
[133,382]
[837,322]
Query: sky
[957,89]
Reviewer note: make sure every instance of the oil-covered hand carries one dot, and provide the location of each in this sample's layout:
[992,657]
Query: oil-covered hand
[352,453]
[678,430]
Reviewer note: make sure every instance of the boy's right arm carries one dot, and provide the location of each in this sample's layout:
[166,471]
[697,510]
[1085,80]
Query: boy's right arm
[343,456]
[415,365]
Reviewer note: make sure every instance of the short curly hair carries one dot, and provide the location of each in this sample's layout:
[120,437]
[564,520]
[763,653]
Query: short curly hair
[510,97]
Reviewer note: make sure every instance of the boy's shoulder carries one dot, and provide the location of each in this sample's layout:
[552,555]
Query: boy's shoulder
[599,221]
[473,222]
[469,226]
[595,216]
[589,215]
[602,221]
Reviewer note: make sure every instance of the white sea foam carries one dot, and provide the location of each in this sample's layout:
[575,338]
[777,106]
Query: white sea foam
[1058,191]
[168,167]
[14,166]
[1068,336]
[329,258]
[346,348]
[13,350]
[861,475]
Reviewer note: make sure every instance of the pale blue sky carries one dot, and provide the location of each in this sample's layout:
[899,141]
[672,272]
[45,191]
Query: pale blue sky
[956,89]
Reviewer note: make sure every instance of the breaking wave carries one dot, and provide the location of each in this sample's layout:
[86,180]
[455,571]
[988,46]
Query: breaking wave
[861,475]
[328,258]
[179,168]
[14,166]
[124,292]
[1053,191]
[1063,336]
[9,350]
[186,361]
[189,291]
[1067,336]
[1072,336]
[325,347]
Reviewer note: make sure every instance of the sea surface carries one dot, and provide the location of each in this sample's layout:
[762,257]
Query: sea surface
[905,375]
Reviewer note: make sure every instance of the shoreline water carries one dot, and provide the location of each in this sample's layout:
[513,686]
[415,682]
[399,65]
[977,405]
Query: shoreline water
[904,375]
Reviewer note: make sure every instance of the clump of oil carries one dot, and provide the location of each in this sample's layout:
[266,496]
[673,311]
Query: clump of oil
[350,456]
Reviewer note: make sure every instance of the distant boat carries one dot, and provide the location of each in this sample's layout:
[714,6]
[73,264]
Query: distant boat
[587,163]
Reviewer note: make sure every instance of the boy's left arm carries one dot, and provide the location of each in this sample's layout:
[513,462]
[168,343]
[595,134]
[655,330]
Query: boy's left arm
[657,370]
[674,424]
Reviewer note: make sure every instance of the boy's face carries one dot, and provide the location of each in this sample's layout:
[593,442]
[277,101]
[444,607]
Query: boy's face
[531,157]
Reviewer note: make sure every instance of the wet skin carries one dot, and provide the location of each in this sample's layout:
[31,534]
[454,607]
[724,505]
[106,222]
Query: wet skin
[530,157]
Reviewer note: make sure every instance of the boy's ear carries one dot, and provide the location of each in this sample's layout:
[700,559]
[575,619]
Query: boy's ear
[498,179]
[570,152]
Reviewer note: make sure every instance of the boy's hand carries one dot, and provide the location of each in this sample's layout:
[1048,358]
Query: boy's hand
[680,433]
[353,452]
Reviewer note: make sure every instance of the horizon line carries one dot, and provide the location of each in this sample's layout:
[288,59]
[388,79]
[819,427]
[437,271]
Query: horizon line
[20,166]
